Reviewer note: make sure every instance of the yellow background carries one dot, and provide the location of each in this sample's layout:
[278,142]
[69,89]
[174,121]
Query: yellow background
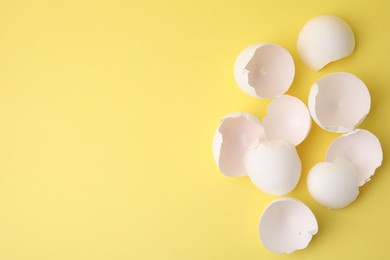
[107,114]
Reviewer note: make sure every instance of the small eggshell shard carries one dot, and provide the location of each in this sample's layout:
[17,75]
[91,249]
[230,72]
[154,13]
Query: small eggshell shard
[333,184]
[264,70]
[362,149]
[287,118]
[234,134]
[324,39]
[287,225]
[273,166]
[339,102]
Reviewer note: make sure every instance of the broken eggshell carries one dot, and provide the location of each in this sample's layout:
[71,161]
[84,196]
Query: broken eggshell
[231,140]
[273,166]
[339,102]
[362,149]
[264,70]
[287,118]
[324,39]
[333,184]
[287,225]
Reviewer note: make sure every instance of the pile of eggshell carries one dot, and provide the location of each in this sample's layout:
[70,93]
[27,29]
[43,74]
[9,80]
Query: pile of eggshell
[265,150]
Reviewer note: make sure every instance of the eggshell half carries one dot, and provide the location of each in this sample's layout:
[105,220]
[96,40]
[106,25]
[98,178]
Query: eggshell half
[339,102]
[287,225]
[333,184]
[273,166]
[234,134]
[287,118]
[264,70]
[324,39]
[362,149]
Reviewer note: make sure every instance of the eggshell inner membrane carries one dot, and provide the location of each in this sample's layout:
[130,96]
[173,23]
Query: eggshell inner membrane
[273,166]
[232,138]
[264,70]
[287,118]
[333,184]
[287,225]
[339,102]
[324,39]
[362,149]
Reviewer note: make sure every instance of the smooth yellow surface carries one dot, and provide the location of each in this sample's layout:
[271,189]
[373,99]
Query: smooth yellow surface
[108,110]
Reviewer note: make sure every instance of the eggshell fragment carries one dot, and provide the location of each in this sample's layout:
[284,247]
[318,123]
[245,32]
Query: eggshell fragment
[362,149]
[287,225]
[287,118]
[273,166]
[333,184]
[264,70]
[234,134]
[324,39]
[339,102]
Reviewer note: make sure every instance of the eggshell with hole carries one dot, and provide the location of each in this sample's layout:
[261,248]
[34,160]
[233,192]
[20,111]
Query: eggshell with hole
[234,134]
[287,118]
[264,70]
[333,184]
[339,102]
[273,166]
[324,39]
[362,149]
[287,225]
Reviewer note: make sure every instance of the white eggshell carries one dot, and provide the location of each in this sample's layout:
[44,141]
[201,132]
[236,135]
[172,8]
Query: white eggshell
[333,184]
[287,118]
[324,39]
[234,134]
[339,102]
[287,225]
[362,149]
[264,70]
[273,166]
